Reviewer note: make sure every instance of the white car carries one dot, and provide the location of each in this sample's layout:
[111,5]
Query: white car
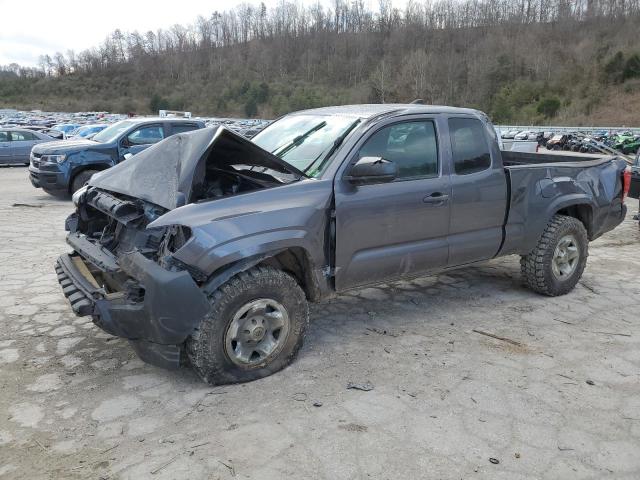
[510,134]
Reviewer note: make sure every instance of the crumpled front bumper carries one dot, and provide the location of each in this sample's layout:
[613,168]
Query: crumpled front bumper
[157,322]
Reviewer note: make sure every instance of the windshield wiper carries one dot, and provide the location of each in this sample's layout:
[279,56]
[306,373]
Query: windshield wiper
[280,151]
[337,142]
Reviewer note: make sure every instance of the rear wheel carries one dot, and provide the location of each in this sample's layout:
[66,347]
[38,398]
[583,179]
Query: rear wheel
[255,328]
[555,265]
[81,179]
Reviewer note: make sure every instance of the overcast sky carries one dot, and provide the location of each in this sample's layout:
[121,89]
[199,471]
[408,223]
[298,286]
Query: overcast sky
[36,27]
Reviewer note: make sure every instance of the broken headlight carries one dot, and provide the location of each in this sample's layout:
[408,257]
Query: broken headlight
[77,196]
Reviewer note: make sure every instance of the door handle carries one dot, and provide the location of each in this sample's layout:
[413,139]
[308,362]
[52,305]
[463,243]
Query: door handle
[436,198]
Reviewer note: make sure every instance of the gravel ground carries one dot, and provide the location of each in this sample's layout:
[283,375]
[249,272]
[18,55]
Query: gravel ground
[562,403]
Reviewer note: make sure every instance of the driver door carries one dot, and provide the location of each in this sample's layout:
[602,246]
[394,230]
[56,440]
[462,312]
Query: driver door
[388,230]
[140,138]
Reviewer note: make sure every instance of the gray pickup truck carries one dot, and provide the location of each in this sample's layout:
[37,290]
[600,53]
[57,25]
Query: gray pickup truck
[206,248]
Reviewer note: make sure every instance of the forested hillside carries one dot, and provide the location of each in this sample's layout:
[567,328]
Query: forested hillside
[522,61]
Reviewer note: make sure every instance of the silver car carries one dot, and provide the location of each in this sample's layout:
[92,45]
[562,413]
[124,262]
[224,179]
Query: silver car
[16,143]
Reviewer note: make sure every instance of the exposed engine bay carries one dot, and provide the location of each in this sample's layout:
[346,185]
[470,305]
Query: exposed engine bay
[108,224]
[118,223]
[218,183]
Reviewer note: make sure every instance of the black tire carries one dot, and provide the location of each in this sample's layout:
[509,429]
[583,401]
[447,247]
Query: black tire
[538,266]
[81,179]
[207,348]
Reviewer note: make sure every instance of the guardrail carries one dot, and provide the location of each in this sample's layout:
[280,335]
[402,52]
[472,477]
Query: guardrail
[549,128]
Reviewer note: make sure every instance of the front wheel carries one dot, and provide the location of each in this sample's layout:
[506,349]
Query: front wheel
[81,179]
[555,265]
[255,328]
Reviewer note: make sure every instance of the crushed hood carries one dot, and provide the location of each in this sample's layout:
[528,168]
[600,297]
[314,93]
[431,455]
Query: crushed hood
[164,173]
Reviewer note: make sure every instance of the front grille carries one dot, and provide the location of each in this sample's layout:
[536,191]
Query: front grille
[35,159]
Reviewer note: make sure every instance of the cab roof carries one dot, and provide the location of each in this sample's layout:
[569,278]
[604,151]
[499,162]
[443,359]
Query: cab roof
[162,119]
[367,111]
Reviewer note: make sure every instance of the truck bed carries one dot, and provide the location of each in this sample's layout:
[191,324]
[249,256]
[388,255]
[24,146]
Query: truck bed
[511,158]
[539,185]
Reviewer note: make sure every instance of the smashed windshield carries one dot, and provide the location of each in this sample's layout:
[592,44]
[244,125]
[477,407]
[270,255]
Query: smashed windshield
[305,141]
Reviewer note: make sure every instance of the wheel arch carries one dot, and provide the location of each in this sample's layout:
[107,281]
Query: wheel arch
[581,211]
[83,168]
[295,261]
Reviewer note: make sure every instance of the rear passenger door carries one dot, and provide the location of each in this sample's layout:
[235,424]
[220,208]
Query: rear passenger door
[478,192]
[5,147]
[21,144]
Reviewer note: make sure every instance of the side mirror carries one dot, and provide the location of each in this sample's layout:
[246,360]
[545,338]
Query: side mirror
[372,170]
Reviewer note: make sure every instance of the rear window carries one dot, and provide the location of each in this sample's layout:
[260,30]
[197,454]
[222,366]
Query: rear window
[469,146]
[183,127]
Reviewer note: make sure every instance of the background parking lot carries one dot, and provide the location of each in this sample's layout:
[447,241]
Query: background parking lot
[557,397]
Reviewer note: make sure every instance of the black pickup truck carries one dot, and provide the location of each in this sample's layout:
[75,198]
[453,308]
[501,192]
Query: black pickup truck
[205,248]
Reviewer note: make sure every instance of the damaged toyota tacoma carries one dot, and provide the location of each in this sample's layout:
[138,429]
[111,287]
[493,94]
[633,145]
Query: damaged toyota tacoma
[206,248]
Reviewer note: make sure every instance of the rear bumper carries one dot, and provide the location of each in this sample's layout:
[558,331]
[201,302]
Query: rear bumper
[157,311]
[613,218]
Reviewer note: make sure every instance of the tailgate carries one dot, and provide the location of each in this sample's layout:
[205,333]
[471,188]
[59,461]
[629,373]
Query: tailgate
[634,190]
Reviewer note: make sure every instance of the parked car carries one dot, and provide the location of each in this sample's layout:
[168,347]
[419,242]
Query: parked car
[589,145]
[65,166]
[526,135]
[573,143]
[65,128]
[510,135]
[87,131]
[630,145]
[216,262]
[529,146]
[16,144]
[557,141]
[54,134]
[544,137]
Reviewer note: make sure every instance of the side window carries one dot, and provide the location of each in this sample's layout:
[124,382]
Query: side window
[468,146]
[146,135]
[411,145]
[183,127]
[21,136]
[4,136]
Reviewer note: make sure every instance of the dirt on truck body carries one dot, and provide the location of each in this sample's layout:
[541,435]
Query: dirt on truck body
[205,248]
